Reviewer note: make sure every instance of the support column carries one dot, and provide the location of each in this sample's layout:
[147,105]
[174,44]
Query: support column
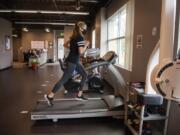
[167,29]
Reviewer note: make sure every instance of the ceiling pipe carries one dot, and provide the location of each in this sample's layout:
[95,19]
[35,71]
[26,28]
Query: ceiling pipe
[54,1]
[108,3]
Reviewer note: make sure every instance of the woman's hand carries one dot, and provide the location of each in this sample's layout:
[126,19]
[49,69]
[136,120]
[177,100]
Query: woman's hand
[66,44]
[87,44]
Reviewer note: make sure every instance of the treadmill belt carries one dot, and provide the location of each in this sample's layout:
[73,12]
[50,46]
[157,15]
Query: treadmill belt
[70,106]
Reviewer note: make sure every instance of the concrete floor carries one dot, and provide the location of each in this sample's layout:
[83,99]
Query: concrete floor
[20,88]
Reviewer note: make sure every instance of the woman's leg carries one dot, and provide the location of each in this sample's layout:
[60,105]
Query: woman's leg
[66,76]
[80,69]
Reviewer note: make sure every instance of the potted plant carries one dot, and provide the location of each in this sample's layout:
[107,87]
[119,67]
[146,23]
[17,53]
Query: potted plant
[34,64]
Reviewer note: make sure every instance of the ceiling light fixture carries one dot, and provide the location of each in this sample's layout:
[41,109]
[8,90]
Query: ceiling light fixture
[25,11]
[45,12]
[85,1]
[47,30]
[78,5]
[65,12]
[5,11]
[45,23]
[15,35]
[25,29]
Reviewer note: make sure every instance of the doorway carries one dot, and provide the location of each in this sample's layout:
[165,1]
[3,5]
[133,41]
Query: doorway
[60,48]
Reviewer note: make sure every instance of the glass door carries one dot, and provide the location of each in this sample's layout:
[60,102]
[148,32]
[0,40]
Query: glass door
[60,48]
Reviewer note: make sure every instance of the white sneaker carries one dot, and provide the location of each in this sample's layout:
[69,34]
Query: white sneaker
[48,100]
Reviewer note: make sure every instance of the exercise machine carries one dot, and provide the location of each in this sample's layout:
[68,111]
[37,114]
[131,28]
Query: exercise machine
[163,72]
[92,66]
[109,105]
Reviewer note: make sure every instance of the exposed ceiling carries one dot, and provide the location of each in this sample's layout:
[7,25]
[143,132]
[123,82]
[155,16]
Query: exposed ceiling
[45,13]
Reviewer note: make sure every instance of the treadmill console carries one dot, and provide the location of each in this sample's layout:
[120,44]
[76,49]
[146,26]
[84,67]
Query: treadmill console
[93,52]
[110,56]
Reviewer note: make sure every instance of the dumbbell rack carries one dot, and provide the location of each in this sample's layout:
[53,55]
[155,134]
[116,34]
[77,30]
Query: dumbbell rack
[139,113]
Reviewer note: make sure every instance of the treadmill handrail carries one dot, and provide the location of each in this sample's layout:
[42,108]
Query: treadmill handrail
[70,99]
[97,65]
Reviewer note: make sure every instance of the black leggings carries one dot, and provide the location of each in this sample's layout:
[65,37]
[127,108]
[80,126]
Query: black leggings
[71,67]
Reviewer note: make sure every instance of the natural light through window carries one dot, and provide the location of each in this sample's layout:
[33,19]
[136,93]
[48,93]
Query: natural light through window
[93,38]
[178,47]
[117,38]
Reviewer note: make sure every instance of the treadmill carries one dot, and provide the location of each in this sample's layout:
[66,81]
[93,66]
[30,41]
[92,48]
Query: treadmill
[105,106]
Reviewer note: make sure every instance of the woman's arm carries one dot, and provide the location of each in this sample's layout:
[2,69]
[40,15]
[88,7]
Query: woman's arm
[66,44]
[82,49]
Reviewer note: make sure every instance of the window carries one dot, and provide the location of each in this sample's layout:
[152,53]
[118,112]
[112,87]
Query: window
[93,39]
[60,48]
[178,47]
[119,36]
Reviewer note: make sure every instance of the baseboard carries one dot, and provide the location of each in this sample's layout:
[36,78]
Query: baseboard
[6,68]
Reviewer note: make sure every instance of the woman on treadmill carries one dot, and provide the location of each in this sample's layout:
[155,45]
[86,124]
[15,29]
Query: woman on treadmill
[77,47]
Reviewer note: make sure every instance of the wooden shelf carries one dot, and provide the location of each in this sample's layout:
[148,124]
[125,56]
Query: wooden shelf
[131,129]
[154,117]
[138,112]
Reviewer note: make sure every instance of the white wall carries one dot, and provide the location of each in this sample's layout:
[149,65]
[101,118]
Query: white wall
[6,56]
